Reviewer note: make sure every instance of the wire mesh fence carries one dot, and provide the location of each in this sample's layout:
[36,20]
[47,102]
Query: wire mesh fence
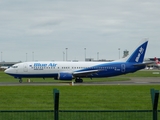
[106,115]
[77,115]
[26,115]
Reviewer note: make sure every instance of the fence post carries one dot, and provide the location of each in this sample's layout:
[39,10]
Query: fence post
[155,97]
[56,103]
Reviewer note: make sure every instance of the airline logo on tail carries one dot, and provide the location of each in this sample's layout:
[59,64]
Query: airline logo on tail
[141,50]
[138,55]
[157,61]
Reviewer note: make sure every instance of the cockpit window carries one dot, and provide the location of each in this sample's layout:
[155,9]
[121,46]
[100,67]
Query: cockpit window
[14,66]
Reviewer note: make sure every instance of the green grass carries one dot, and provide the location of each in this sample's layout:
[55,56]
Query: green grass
[107,97]
[104,97]
[117,97]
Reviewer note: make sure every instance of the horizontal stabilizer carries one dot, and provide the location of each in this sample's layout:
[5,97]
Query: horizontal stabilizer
[145,63]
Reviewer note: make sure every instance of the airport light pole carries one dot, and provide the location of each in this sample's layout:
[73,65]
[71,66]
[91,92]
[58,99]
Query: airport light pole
[26,57]
[66,53]
[84,54]
[97,56]
[33,56]
[119,52]
[63,55]
[1,56]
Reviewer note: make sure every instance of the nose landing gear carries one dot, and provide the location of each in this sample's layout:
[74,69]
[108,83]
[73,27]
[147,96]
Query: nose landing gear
[20,80]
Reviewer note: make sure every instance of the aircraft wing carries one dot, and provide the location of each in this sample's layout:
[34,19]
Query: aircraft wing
[84,73]
[145,63]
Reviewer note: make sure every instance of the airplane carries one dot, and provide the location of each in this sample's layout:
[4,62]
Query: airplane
[78,70]
[4,67]
[157,62]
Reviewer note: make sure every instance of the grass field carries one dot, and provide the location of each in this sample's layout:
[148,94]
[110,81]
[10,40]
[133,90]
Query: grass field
[116,97]
[105,97]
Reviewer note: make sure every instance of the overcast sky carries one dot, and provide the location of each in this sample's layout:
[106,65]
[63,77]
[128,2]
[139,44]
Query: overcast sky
[45,28]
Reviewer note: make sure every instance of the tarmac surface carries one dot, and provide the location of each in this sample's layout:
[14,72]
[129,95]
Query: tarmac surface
[133,81]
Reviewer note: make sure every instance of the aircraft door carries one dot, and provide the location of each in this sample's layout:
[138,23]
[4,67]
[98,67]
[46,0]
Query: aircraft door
[123,67]
[25,67]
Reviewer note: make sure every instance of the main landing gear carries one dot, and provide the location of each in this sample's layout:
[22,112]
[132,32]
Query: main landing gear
[20,80]
[79,80]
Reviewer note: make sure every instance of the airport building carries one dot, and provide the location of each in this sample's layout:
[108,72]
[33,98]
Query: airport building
[125,53]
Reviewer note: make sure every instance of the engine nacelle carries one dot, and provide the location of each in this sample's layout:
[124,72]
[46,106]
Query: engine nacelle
[65,76]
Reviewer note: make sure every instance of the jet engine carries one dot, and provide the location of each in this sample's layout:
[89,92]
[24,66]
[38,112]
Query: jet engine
[65,76]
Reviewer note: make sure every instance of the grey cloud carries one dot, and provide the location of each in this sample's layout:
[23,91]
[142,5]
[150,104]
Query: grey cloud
[96,25]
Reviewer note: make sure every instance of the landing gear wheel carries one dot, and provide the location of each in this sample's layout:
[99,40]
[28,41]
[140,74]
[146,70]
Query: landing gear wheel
[20,81]
[79,80]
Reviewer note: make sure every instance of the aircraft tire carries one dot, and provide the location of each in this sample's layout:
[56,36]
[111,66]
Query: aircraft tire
[79,80]
[76,80]
[20,81]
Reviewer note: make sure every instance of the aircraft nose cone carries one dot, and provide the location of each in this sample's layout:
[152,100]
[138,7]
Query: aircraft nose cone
[6,71]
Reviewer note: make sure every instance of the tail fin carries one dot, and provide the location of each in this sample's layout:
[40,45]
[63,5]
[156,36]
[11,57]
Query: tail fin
[138,55]
[156,60]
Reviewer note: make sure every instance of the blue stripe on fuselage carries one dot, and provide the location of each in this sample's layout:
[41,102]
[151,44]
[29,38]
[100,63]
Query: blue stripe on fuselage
[112,69]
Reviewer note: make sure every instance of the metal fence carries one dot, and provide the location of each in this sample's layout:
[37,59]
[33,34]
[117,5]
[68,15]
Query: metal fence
[106,115]
[26,115]
[57,114]
[77,115]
